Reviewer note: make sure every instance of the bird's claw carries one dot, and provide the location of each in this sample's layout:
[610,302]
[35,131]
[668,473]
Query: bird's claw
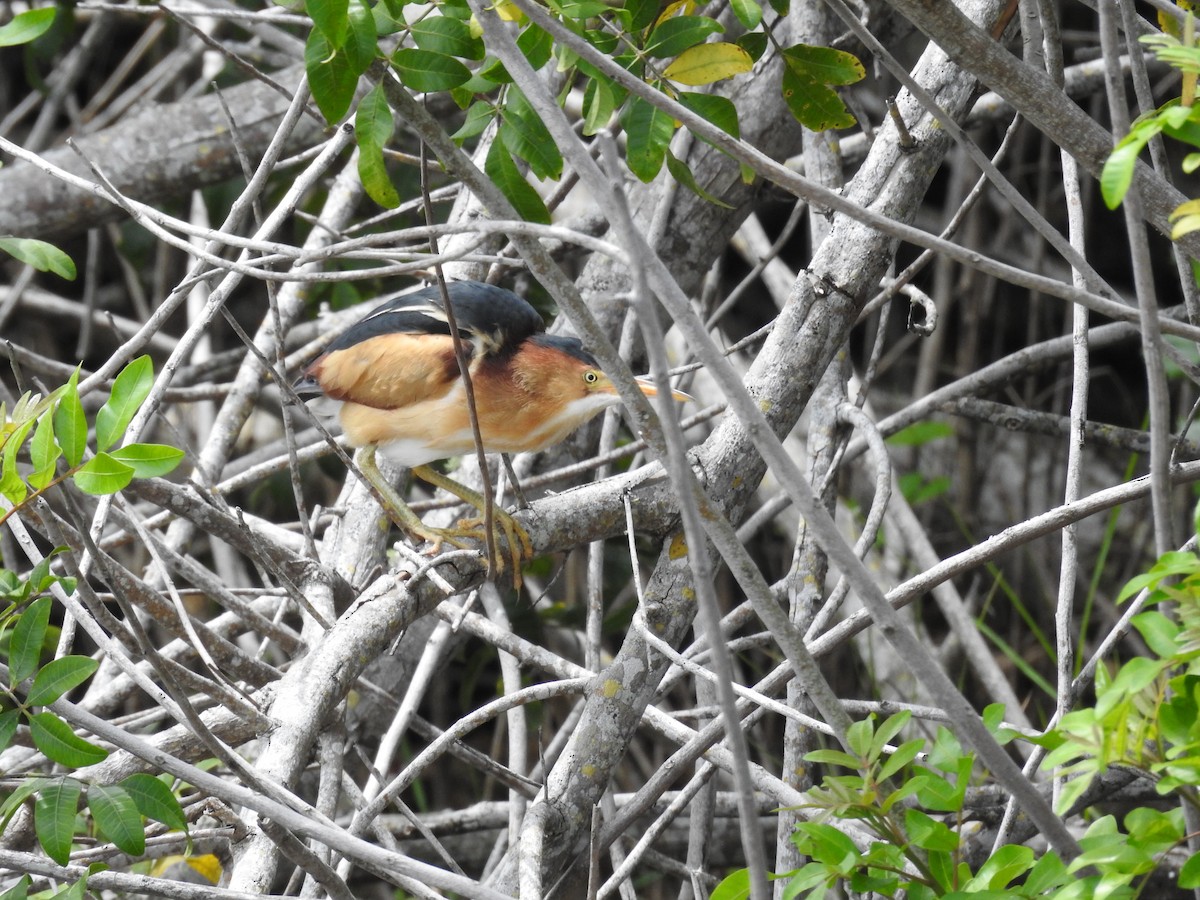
[512,541]
[507,531]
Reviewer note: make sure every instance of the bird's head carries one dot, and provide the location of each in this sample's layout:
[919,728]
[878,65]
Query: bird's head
[569,379]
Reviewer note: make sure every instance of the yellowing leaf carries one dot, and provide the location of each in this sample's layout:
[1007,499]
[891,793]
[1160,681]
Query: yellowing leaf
[207,865]
[1189,208]
[507,11]
[1184,226]
[1169,24]
[708,63]
[688,7]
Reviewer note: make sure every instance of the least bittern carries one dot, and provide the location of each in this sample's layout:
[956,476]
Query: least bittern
[393,384]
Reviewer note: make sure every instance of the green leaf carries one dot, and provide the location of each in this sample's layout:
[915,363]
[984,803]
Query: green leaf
[1189,875]
[1181,123]
[70,424]
[77,890]
[833,758]
[935,792]
[681,173]
[360,48]
[54,818]
[672,37]
[859,735]
[905,753]
[754,43]
[154,800]
[130,389]
[642,13]
[888,729]
[20,890]
[1117,174]
[476,86]
[11,586]
[1073,789]
[11,484]
[735,886]
[503,172]
[149,460]
[1047,873]
[451,37]
[479,117]
[43,453]
[331,77]
[332,18]
[648,131]
[426,72]
[25,647]
[1160,633]
[373,127]
[14,800]
[526,137]
[920,433]
[102,474]
[59,676]
[928,833]
[536,45]
[117,817]
[387,20]
[12,487]
[55,738]
[42,256]
[748,12]
[599,104]
[9,719]
[715,109]
[41,577]
[581,10]
[1001,868]
[708,63]
[825,843]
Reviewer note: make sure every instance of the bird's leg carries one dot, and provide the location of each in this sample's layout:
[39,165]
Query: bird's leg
[396,509]
[516,538]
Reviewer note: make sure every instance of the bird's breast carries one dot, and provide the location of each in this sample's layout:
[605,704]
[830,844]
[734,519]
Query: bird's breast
[511,420]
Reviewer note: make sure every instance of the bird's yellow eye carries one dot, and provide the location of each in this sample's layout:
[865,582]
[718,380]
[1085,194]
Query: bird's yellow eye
[590,377]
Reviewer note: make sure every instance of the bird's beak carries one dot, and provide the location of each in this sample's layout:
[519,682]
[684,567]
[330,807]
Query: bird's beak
[646,383]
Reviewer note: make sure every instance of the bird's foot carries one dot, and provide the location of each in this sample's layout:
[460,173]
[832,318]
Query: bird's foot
[436,537]
[511,540]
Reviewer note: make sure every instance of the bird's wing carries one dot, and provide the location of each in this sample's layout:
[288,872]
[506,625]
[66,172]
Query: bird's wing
[402,351]
[386,371]
[492,318]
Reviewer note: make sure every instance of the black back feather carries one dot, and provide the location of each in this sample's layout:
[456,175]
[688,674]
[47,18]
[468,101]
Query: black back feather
[483,312]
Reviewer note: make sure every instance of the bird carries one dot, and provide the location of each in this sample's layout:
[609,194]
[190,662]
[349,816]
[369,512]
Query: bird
[393,385]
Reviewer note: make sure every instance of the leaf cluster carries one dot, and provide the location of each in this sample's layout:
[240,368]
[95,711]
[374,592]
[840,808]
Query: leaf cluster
[1178,119]
[56,430]
[1146,717]
[670,48]
[30,687]
[118,811]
